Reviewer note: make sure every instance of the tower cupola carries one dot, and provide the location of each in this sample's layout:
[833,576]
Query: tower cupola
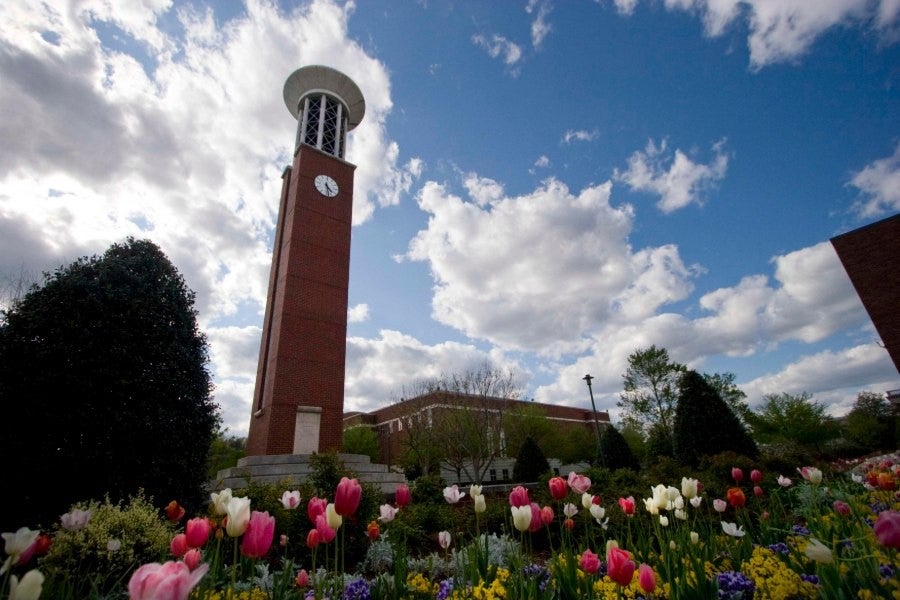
[327,104]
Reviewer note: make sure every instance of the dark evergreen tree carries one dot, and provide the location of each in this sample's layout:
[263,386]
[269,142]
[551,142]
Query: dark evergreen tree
[531,462]
[705,424]
[104,387]
[615,453]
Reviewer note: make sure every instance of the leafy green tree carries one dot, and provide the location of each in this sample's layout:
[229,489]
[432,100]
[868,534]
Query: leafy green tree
[796,419]
[104,386]
[224,452]
[528,421]
[573,444]
[530,462]
[361,440]
[872,423]
[651,391]
[615,453]
[705,424]
[734,397]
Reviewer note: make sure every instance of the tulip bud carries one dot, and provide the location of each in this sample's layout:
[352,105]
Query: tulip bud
[302,578]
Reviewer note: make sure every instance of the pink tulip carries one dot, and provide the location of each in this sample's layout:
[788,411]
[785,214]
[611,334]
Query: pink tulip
[316,507]
[547,515]
[518,497]
[302,578]
[579,483]
[720,505]
[887,528]
[259,535]
[179,545]
[737,474]
[197,532]
[619,566]
[444,539]
[756,476]
[192,558]
[452,494]
[536,521]
[758,491]
[171,580]
[590,562]
[326,533]
[558,489]
[646,578]
[290,500]
[347,497]
[841,508]
[403,495]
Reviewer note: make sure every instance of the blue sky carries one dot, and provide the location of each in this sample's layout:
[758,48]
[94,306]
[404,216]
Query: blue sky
[546,185]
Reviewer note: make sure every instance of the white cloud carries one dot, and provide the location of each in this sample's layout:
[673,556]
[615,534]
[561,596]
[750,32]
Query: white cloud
[579,135]
[181,139]
[833,377]
[880,182]
[679,185]
[557,261]
[500,47]
[540,28]
[543,161]
[784,30]
[358,313]
[379,369]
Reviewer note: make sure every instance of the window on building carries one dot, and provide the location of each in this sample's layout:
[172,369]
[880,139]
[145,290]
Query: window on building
[505,474]
[493,474]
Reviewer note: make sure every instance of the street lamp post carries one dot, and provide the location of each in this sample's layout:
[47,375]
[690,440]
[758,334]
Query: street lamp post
[588,379]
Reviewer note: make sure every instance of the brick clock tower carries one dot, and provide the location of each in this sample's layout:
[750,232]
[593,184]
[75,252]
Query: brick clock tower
[298,402]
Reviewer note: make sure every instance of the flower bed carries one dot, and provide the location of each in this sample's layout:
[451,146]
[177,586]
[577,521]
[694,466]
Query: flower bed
[803,535]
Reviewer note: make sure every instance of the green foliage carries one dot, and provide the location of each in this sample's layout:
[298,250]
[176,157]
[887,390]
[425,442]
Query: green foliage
[85,561]
[104,384]
[734,397]
[362,440]
[615,453]
[224,452]
[872,423]
[660,443]
[530,463]
[428,489]
[326,471]
[572,445]
[525,422]
[705,424]
[651,383]
[785,417]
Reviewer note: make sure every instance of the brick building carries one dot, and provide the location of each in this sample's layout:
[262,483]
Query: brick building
[871,257]
[393,423]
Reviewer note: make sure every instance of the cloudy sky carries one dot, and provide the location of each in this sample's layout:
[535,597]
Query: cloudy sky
[547,185]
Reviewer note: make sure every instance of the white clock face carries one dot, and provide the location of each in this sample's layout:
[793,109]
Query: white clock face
[326,186]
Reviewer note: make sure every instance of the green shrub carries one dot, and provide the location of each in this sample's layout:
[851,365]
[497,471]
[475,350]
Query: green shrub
[117,539]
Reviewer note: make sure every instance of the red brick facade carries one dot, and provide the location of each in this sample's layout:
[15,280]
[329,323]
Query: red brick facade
[871,257]
[301,358]
[389,422]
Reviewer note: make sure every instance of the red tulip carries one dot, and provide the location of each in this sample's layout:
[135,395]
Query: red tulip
[518,497]
[197,532]
[558,488]
[312,539]
[403,495]
[259,535]
[646,578]
[619,566]
[569,524]
[887,528]
[736,497]
[174,511]
[590,562]
[841,507]
[373,531]
[737,474]
[627,505]
[756,476]
[315,507]
[347,497]
[179,545]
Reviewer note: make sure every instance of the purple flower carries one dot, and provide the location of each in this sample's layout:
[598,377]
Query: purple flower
[357,590]
[734,584]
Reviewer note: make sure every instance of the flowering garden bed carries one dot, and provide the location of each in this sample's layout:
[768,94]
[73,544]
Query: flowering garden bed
[794,535]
